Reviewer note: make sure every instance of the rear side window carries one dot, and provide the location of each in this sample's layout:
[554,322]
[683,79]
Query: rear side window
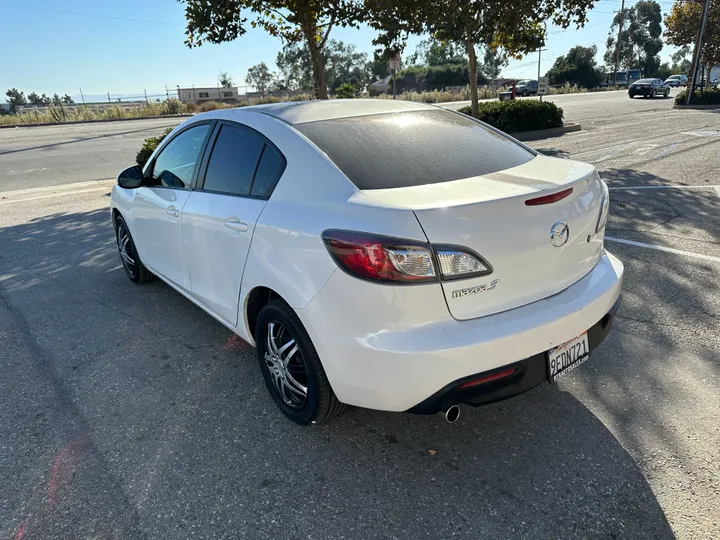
[268,172]
[413,148]
[234,158]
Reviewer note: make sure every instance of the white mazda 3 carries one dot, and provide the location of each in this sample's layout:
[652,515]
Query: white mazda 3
[382,254]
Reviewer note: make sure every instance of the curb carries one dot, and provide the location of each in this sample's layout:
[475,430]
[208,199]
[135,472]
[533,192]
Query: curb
[43,124]
[546,133]
[697,107]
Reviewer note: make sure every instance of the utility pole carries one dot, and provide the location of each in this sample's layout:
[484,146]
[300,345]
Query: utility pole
[540,50]
[82,97]
[697,53]
[617,45]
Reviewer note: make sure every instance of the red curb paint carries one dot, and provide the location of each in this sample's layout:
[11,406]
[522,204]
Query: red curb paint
[63,466]
[21,531]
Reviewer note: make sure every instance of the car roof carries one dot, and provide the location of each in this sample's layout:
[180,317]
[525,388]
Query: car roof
[301,112]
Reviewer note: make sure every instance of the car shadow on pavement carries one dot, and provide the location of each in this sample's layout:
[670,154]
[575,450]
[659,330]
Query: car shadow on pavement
[182,433]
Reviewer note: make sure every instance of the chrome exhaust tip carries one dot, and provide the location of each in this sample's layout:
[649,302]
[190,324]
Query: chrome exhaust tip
[452,414]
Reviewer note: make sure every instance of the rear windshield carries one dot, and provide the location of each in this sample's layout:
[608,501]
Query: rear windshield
[413,148]
[644,81]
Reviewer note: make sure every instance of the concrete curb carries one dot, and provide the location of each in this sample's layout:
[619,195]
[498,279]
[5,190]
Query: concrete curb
[697,107]
[44,124]
[546,133]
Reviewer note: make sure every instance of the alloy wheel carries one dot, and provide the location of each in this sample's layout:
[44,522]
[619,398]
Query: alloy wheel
[126,249]
[284,361]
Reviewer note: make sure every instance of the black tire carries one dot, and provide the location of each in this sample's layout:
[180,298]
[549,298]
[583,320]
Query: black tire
[525,93]
[135,270]
[652,94]
[320,403]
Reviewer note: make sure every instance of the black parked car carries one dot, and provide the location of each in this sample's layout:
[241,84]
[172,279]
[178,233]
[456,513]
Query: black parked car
[648,88]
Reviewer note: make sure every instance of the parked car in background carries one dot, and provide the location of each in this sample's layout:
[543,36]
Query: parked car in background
[526,87]
[648,88]
[384,254]
[676,80]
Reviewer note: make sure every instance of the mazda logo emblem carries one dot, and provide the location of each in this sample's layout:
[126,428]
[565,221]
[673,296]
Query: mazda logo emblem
[559,234]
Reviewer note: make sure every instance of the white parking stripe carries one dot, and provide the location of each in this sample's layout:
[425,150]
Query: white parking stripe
[716,187]
[663,248]
[717,190]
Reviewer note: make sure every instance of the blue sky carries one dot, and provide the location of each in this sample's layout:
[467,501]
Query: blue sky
[128,47]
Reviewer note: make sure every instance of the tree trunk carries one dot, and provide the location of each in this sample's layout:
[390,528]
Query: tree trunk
[472,69]
[311,33]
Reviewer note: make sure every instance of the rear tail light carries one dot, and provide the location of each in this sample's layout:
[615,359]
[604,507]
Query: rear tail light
[457,264]
[397,260]
[549,199]
[381,258]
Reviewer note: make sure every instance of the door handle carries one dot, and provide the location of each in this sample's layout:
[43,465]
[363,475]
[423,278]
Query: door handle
[236,225]
[172,211]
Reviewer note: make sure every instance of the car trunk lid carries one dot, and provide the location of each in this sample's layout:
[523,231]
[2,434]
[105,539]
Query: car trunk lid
[489,215]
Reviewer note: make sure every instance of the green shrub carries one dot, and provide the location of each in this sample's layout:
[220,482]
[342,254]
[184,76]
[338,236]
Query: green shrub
[707,97]
[149,146]
[345,91]
[515,116]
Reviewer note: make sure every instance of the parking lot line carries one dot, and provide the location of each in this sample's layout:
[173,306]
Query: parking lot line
[663,248]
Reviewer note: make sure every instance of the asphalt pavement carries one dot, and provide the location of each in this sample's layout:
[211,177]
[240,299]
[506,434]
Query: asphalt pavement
[126,412]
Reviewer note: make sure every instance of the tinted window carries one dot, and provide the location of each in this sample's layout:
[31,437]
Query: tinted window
[268,173]
[175,164]
[413,148]
[233,160]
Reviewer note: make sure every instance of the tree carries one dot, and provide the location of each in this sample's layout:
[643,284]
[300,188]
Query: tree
[577,67]
[293,21]
[56,100]
[432,52]
[343,64]
[15,99]
[37,100]
[683,23]
[518,26]
[67,100]
[681,62]
[225,79]
[259,76]
[640,44]
[494,60]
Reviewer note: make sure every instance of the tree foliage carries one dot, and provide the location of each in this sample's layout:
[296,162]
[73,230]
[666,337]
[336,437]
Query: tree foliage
[225,79]
[432,52]
[640,44]
[577,67]
[493,62]
[683,22]
[260,77]
[293,21]
[37,100]
[343,64]
[517,26]
[15,98]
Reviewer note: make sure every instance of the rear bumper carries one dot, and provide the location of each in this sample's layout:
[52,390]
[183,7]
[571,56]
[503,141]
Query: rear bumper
[640,92]
[529,373]
[396,348]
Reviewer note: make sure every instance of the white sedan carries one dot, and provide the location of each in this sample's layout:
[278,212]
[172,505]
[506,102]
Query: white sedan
[382,254]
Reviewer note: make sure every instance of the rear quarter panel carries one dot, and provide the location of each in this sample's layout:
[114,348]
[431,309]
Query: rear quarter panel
[287,253]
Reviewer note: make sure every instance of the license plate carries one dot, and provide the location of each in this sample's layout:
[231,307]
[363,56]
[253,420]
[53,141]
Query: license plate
[566,357]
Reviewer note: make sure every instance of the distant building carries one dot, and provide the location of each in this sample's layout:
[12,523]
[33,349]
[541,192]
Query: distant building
[5,107]
[198,95]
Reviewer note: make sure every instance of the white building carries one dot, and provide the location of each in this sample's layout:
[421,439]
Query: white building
[216,93]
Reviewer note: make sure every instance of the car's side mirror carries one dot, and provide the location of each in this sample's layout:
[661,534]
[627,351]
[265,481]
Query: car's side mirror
[130,178]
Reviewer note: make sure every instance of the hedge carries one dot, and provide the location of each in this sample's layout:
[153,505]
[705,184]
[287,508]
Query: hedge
[706,97]
[515,116]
